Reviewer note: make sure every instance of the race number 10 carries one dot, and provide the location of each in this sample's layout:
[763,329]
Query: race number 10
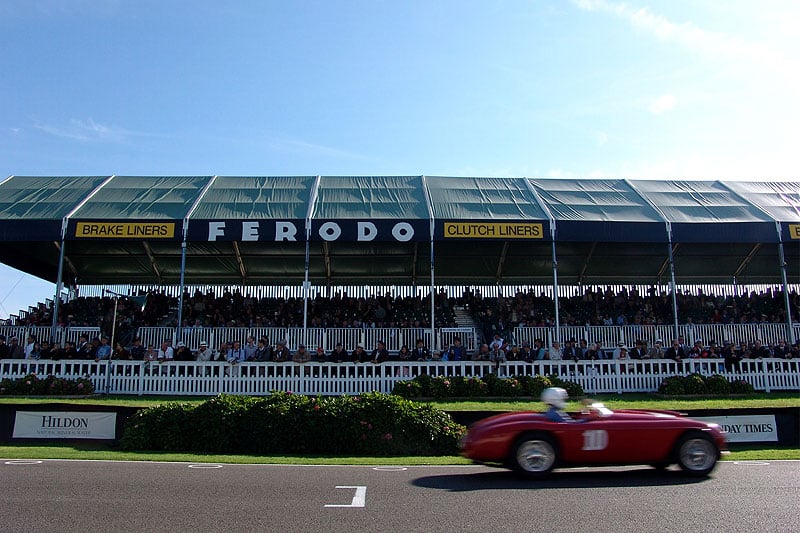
[595,439]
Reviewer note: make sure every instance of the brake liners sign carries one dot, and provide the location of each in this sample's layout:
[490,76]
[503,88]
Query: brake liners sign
[493,230]
[794,231]
[125,230]
[64,425]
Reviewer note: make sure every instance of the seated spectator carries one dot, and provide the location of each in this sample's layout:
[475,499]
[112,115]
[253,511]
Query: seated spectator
[421,352]
[263,351]
[656,352]
[759,351]
[236,354]
[319,355]
[103,350]
[151,354]
[204,353]
[5,352]
[359,355]
[301,355]
[555,354]
[137,350]
[525,353]
[675,352]
[457,352]
[339,354]
[165,352]
[379,354]
[281,353]
[250,348]
[483,353]
[183,353]
[404,354]
[69,352]
[120,353]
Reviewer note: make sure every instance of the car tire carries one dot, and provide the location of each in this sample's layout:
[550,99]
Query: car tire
[534,455]
[696,454]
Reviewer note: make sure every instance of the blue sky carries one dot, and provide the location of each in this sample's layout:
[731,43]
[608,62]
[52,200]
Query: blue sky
[584,88]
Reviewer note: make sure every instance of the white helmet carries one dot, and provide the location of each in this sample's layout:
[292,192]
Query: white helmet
[555,396]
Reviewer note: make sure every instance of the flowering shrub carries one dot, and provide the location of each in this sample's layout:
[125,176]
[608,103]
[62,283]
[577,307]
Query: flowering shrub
[32,385]
[695,384]
[370,424]
[440,387]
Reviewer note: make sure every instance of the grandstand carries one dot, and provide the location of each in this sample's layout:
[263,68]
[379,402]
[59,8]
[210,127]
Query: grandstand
[320,260]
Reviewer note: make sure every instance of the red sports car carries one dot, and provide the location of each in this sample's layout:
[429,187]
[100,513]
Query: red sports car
[533,445]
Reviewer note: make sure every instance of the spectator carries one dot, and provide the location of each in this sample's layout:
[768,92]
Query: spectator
[281,353]
[525,353]
[30,346]
[675,352]
[379,354]
[120,353]
[183,353]
[457,352]
[301,355]
[483,353]
[657,351]
[319,355]
[250,348]
[165,352]
[137,350]
[236,353]
[263,351]
[404,354]
[204,353]
[555,353]
[421,352]
[339,354]
[359,355]
[5,351]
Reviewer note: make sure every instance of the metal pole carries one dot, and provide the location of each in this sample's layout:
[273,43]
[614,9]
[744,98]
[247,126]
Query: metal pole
[782,260]
[57,298]
[433,304]
[180,297]
[306,286]
[673,286]
[555,290]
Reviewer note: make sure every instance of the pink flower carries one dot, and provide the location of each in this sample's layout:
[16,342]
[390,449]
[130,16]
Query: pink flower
[27,382]
[80,386]
[316,407]
[387,436]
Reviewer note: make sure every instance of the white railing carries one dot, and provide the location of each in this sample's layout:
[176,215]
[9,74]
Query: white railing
[334,379]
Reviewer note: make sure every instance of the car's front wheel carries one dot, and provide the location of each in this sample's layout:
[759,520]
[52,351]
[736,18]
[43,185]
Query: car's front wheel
[535,455]
[697,454]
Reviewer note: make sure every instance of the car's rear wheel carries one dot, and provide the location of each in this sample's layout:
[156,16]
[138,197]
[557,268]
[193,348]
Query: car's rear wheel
[696,454]
[534,455]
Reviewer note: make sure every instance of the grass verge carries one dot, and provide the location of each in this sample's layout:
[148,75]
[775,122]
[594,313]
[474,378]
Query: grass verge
[100,452]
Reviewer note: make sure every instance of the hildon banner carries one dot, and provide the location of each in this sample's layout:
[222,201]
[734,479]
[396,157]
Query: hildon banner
[64,425]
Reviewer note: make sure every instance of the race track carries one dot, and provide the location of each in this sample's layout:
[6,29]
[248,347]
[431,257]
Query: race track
[67,496]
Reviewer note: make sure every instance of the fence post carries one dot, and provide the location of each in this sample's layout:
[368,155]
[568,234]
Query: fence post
[766,376]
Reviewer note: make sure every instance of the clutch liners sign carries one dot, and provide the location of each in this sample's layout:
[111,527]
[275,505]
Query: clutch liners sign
[493,230]
[64,425]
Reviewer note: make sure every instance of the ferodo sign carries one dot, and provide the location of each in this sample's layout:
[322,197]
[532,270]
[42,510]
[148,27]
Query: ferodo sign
[321,230]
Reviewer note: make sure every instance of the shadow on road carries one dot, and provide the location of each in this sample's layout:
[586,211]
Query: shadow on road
[560,479]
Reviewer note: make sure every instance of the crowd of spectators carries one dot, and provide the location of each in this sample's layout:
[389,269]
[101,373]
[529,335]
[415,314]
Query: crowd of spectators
[492,315]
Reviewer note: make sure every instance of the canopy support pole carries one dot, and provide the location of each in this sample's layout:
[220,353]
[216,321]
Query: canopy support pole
[306,287]
[555,290]
[672,280]
[57,298]
[180,296]
[433,303]
[782,260]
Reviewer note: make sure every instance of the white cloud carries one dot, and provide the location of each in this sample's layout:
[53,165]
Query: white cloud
[602,138]
[90,131]
[713,44]
[663,103]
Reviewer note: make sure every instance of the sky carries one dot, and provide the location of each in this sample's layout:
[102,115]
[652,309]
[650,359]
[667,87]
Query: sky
[685,89]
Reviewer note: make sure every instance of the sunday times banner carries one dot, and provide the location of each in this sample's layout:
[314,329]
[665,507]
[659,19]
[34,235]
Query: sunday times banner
[749,428]
[64,425]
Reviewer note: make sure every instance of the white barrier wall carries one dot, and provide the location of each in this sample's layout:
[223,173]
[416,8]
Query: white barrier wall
[334,379]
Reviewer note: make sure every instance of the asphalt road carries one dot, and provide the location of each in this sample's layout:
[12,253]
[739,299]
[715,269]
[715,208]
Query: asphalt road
[68,496]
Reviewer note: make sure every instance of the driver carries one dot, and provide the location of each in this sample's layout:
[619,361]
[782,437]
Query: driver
[556,398]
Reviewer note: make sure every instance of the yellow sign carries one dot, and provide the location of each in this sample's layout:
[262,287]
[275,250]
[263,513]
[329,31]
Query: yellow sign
[493,230]
[794,231]
[125,230]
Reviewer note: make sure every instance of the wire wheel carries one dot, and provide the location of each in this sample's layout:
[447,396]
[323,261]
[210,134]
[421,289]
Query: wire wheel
[535,456]
[697,454]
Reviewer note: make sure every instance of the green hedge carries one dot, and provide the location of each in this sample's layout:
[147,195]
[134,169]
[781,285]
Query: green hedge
[440,387]
[33,385]
[285,423]
[697,384]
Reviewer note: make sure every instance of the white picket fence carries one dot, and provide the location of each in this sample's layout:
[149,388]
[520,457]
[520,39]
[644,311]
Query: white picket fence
[334,379]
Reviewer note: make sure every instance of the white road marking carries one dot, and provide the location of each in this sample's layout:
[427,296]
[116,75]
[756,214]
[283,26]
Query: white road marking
[359,499]
[23,462]
[390,468]
[205,466]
